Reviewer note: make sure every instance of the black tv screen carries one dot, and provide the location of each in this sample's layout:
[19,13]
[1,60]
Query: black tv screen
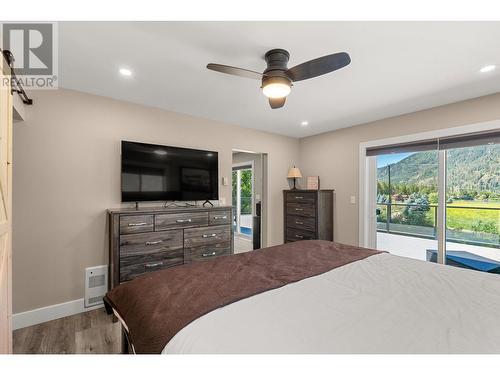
[164,173]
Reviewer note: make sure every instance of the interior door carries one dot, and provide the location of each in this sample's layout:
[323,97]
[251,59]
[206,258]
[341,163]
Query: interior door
[5,210]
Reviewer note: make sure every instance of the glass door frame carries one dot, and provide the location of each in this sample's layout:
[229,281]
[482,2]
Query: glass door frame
[239,167]
[368,182]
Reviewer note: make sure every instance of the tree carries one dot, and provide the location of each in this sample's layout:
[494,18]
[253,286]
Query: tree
[246,191]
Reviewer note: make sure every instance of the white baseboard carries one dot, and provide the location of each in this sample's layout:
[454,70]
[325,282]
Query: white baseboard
[47,313]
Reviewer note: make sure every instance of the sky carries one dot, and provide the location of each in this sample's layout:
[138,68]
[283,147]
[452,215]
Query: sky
[383,160]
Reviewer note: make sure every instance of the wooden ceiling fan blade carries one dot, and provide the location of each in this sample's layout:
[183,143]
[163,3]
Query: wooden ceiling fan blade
[277,102]
[319,66]
[235,71]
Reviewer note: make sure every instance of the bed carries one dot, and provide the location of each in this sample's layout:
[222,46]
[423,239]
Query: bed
[311,297]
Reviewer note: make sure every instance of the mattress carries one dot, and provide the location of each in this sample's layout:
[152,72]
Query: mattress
[380,304]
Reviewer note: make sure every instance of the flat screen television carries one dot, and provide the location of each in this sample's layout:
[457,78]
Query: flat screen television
[164,173]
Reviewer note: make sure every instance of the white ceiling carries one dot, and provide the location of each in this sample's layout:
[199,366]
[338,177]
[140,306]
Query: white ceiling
[397,67]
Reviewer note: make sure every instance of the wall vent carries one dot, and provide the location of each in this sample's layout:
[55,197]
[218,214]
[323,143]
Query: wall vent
[96,285]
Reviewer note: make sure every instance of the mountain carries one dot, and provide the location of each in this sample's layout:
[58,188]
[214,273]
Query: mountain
[469,168]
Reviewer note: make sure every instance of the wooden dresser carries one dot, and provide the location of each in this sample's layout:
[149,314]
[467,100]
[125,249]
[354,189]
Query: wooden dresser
[144,240]
[308,215]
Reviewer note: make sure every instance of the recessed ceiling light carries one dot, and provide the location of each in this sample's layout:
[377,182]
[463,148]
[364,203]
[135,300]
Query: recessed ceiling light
[125,72]
[304,123]
[487,68]
[160,152]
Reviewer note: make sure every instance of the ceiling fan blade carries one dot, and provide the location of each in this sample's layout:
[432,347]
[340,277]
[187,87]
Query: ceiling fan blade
[277,102]
[235,71]
[319,66]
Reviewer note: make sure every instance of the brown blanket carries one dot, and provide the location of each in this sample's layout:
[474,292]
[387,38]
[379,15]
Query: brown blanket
[158,305]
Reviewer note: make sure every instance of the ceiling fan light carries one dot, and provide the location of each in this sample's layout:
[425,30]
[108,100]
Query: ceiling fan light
[276,87]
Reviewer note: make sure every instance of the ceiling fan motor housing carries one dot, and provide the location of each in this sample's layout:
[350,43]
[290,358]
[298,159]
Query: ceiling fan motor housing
[277,61]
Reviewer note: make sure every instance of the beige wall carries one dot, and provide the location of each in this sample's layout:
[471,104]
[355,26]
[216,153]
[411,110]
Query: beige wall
[334,156]
[67,173]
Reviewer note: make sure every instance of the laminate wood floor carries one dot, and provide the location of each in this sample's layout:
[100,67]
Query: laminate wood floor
[242,244]
[92,332]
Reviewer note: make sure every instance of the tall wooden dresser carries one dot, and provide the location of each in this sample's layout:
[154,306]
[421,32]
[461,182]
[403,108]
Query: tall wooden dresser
[308,215]
[151,239]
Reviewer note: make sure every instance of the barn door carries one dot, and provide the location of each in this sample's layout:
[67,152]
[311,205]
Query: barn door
[5,210]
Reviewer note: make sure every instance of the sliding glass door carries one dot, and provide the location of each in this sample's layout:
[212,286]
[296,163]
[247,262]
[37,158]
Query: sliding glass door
[473,207]
[407,184]
[439,200]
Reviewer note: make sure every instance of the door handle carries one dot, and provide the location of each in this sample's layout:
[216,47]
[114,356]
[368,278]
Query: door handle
[208,254]
[209,235]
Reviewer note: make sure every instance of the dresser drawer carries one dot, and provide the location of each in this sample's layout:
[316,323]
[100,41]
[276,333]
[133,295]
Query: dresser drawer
[194,237]
[301,197]
[136,224]
[300,209]
[133,266]
[180,220]
[219,217]
[148,243]
[202,253]
[298,235]
[302,223]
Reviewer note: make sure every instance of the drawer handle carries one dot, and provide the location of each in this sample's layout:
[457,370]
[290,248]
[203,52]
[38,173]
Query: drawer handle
[154,242]
[208,254]
[184,220]
[299,209]
[299,222]
[137,224]
[299,197]
[151,265]
[209,235]
[299,236]
[220,217]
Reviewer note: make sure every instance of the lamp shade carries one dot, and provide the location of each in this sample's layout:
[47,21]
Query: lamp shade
[294,173]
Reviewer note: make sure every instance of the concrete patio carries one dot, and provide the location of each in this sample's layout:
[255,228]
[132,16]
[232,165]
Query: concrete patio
[414,247]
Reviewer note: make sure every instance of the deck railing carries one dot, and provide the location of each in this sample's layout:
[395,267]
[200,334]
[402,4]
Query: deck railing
[391,221]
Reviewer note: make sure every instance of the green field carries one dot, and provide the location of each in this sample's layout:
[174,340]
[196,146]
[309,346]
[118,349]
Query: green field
[478,220]
[475,220]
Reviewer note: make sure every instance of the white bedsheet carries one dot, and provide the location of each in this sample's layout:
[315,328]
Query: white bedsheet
[382,304]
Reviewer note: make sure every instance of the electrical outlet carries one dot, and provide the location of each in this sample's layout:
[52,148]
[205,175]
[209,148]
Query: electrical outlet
[222,201]
[353,199]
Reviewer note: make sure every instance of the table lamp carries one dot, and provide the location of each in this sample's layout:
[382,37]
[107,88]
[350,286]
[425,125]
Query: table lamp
[294,173]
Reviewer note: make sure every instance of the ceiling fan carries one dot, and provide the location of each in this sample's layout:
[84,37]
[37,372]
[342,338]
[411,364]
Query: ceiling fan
[277,79]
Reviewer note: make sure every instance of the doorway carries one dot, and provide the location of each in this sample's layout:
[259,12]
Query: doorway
[247,200]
